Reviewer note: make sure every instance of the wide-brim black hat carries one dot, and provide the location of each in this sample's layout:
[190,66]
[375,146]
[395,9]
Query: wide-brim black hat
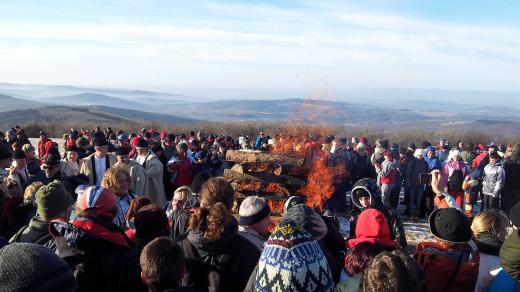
[450,225]
[99,141]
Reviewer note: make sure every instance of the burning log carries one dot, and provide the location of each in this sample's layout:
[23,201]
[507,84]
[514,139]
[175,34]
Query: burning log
[263,157]
[265,178]
[260,188]
[281,169]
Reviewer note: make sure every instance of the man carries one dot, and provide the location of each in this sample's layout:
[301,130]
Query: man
[44,145]
[53,202]
[180,166]
[124,142]
[162,264]
[137,176]
[95,165]
[153,170]
[259,140]
[254,220]
[168,145]
[6,158]
[365,194]
[18,170]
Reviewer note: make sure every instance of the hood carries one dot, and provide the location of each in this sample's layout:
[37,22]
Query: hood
[510,255]
[370,186]
[433,163]
[300,214]
[372,227]
[206,247]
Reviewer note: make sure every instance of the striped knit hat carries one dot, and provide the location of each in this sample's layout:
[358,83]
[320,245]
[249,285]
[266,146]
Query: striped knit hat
[292,261]
[99,198]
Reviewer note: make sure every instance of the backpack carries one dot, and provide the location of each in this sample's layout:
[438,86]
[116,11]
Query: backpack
[455,181]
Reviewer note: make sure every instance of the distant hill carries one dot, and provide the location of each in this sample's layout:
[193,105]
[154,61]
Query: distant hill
[93,99]
[8,103]
[91,114]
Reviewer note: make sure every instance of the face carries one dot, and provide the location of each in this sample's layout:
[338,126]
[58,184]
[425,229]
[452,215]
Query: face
[491,150]
[123,143]
[364,201]
[493,160]
[21,162]
[122,159]
[13,191]
[72,156]
[178,201]
[461,145]
[101,151]
[142,151]
[262,227]
[442,143]
[122,184]
[50,170]
[431,154]
[30,154]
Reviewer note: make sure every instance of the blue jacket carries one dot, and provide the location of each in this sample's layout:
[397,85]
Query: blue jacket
[504,283]
[433,163]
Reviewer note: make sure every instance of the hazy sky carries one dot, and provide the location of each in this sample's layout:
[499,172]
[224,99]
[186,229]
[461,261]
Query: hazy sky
[279,46]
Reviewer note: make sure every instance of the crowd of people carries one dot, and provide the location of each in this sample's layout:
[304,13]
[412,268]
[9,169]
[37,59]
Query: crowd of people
[150,211]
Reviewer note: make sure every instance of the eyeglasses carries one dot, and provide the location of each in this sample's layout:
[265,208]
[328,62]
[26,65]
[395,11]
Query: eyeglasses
[47,167]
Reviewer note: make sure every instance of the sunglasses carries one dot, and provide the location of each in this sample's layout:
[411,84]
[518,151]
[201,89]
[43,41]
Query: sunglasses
[47,167]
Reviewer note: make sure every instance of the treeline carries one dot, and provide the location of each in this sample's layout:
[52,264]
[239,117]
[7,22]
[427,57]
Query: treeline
[402,136]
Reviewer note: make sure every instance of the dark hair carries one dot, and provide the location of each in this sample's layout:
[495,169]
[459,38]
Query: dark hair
[151,222]
[162,264]
[393,271]
[359,257]
[135,206]
[216,190]
[494,155]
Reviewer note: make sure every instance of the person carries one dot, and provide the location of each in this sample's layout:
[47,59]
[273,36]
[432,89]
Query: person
[137,176]
[254,220]
[176,212]
[53,201]
[117,179]
[492,183]
[162,263]
[364,195]
[96,250]
[18,170]
[168,145]
[292,260]
[442,199]
[454,173]
[32,267]
[414,168]
[259,140]
[489,232]
[217,257]
[30,153]
[95,165]
[136,205]
[6,158]
[180,167]
[357,261]
[511,190]
[44,145]
[123,142]
[70,165]
[153,170]
[14,214]
[450,263]
[394,271]
[361,166]
[387,175]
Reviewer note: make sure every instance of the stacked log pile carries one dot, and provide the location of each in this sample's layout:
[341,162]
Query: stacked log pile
[270,175]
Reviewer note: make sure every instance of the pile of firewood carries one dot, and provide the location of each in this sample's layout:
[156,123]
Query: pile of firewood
[270,175]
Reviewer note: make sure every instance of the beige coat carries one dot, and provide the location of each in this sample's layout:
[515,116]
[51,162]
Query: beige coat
[154,187]
[87,166]
[69,169]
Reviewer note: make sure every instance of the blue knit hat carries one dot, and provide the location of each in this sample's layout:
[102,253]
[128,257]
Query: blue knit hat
[292,261]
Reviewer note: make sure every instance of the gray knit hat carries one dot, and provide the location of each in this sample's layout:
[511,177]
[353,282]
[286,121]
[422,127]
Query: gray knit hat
[32,267]
[253,210]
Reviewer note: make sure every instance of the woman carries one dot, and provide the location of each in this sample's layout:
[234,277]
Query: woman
[177,215]
[117,179]
[454,173]
[71,164]
[217,257]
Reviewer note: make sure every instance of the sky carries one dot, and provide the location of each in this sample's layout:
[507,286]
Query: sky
[263,48]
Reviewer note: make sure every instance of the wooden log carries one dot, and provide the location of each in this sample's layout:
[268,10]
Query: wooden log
[239,177]
[263,157]
[238,168]
[282,169]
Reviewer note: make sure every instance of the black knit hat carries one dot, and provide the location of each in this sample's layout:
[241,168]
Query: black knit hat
[450,225]
[142,143]
[5,153]
[51,160]
[99,141]
[33,267]
[122,151]
[514,215]
[19,154]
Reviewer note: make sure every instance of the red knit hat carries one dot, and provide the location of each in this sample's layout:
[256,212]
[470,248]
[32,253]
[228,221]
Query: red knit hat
[99,198]
[134,141]
[163,135]
[372,227]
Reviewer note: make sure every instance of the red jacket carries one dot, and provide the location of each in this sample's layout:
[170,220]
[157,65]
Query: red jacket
[478,159]
[183,169]
[43,147]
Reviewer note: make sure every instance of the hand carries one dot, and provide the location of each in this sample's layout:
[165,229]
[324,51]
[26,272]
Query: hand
[436,182]
[319,226]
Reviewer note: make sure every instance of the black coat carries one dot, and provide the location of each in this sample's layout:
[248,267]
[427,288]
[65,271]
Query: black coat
[511,190]
[231,259]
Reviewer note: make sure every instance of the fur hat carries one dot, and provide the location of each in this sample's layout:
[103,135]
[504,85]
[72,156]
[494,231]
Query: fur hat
[253,210]
[33,267]
[52,160]
[99,198]
[292,261]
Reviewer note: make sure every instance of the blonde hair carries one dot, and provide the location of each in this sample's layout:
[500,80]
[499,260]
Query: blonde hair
[30,192]
[110,179]
[490,223]
[185,191]
[28,147]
